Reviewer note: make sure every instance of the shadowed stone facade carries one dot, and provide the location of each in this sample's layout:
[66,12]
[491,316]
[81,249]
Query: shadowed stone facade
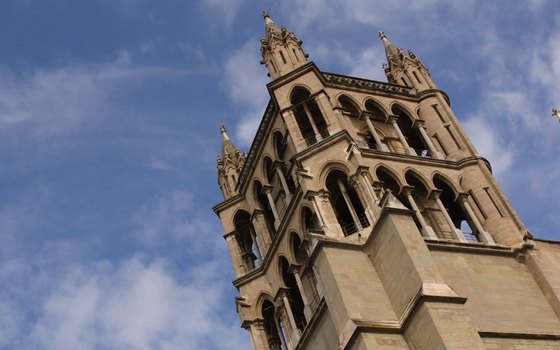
[363,218]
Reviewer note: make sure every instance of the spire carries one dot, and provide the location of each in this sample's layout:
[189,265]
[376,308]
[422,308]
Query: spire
[392,52]
[269,25]
[229,165]
[281,50]
[405,69]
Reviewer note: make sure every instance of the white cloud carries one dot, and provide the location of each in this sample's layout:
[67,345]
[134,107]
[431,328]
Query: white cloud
[222,12]
[135,305]
[244,81]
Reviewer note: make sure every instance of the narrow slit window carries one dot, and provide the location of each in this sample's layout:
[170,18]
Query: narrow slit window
[448,127]
[478,206]
[295,54]
[487,190]
[404,82]
[435,107]
[440,144]
[283,57]
[417,77]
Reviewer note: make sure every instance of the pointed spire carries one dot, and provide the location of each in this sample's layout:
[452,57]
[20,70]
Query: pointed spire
[392,52]
[225,136]
[269,25]
[281,50]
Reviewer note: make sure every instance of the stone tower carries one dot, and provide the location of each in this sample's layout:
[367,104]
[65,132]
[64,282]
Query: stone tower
[363,218]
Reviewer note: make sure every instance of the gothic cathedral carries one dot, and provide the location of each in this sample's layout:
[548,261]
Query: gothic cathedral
[363,218]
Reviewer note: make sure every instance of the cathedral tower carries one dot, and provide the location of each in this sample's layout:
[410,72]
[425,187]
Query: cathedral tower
[364,218]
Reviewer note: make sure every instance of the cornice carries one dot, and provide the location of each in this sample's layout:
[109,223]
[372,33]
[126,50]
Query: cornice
[333,79]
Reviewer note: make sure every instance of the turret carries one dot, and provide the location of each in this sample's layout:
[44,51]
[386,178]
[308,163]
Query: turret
[403,69]
[281,50]
[229,165]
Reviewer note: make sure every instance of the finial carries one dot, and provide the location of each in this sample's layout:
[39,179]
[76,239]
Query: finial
[265,14]
[224,132]
[556,113]
[382,35]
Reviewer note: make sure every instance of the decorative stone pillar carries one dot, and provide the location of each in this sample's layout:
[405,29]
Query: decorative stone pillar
[294,269]
[234,252]
[483,235]
[325,214]
[280,333]
[420,125]
[268,191]
[311,122]
[256,243]
[427,231]
[349,204]
[322,101]
[393,121]
[380,146]
[289,118]
[259,340]
[455,233]
[363,193]
[262,230]
[284,183]
[287,307]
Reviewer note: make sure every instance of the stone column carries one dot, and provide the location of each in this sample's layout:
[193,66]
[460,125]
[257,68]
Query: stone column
[322,101]
[258,335]
[420,125]
[280,333]
[234,252]
[295,331]
[427,231]
[317,211]
[349,204]
[311,121]
[393,121]
[482,234]
[284,183]
[294,269]
[291,123]
[268,191]
[256,242]
[455,233]
[380,146]
[262,230]
[365,196]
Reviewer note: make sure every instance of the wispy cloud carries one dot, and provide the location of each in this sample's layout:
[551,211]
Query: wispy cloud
[134,304]
[244,81]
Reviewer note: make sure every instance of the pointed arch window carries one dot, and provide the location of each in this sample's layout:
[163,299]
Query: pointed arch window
[251,253]
[411,134]
[309,118]
[346,203]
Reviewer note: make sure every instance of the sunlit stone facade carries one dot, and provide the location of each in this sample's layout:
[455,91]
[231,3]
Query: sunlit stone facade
[363,218]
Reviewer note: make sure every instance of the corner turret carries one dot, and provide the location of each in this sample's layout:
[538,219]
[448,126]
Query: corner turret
[403,69]
[281,50]
[229,165]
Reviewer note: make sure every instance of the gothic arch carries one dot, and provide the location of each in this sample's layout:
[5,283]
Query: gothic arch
[298,86]
[268,169]
[330,166]
[452,185]
[371,104]
[396,106]
[393,173]
[299,255]
[261,298]
[308,219]
[413,172]
[278,142]
[349,105]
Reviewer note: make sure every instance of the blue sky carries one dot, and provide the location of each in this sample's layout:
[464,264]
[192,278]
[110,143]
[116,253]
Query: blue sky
[109,115]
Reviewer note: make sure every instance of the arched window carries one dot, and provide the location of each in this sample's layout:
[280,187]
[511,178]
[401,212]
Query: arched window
[269,170]
[247,239]
[411,134]
[294,295]
[349,106]
[279,144]
[308,116]
[269,317]
[346,204]
[310,221]
[458,216]
[264,204]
